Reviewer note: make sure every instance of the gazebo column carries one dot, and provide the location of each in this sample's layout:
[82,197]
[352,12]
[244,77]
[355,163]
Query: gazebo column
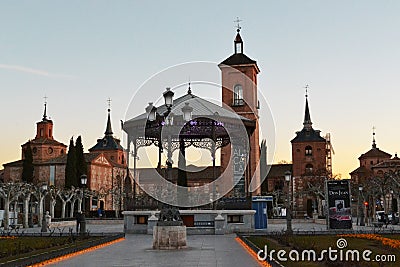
[134,170]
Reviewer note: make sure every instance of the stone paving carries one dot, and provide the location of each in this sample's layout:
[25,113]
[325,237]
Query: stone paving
[203,250]
[135,250]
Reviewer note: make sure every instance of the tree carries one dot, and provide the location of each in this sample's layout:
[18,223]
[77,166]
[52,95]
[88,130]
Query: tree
[81,167]
[9,192]
[70,169]
[27,165]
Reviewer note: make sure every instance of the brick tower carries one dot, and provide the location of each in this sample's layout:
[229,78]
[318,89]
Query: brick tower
[239,93]
[309,157]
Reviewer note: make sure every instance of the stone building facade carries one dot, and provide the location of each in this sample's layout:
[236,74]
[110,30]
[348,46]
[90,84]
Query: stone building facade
[106,162]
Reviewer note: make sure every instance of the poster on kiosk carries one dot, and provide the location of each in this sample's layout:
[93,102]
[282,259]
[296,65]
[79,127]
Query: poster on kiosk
[339,204]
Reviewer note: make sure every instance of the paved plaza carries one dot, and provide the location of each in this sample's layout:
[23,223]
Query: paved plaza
[203,250]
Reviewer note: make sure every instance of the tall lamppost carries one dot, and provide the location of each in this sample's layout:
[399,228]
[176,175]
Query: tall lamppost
[44,223]
[83,219]
[288,177]
[360,202]
[168,123]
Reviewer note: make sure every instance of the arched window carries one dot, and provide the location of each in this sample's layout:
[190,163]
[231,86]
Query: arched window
[309,168]
[238,95]
[308,151]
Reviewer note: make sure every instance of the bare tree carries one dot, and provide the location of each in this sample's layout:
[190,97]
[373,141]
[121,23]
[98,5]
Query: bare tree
[9,192]
[65,196]
[26,192]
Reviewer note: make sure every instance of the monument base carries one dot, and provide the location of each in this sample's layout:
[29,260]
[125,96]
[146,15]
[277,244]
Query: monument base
[169,237]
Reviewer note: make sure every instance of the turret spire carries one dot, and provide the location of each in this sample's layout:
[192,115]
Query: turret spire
[108,128]
[307,118]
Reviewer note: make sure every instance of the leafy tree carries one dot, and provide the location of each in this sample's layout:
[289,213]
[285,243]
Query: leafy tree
[70,168]
[81,167]
[27,165]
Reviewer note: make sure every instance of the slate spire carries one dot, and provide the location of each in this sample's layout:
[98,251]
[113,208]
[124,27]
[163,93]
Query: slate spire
[108,131]
[307,118]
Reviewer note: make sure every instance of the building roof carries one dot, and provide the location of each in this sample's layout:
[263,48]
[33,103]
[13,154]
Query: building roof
[278,170]
[239,59]
[359,171]
[201,108]
[44,141]
[375,153]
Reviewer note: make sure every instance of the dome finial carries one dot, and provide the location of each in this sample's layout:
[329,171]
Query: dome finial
[189,89]
[45,108]
[373,137]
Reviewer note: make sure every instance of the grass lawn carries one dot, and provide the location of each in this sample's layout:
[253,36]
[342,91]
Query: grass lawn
[323,242]
[28,246]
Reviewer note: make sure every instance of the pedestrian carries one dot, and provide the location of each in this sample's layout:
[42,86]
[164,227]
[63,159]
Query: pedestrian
[386,219]
[100,213]
[78,220]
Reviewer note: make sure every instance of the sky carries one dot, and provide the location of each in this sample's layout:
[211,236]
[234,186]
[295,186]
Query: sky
[80,53]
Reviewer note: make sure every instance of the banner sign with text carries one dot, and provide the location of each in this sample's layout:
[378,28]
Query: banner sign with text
[339,204]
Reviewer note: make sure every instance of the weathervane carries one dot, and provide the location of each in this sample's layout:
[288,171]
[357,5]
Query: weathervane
[109,104]
[306,90]
[238,24]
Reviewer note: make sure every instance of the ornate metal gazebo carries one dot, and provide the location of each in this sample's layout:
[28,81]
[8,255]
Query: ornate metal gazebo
[178,124]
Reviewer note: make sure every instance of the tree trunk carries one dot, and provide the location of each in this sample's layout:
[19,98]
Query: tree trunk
[64,203]
[6,213]
[52,205]
[40,215]
[26,211]
[71,213]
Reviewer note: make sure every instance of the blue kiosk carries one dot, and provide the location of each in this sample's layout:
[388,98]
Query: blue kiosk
[259,204]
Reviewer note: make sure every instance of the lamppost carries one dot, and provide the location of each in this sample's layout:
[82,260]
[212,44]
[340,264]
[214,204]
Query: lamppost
[168,123]
[360,202]
[44,223]
[83,219]
[288,177]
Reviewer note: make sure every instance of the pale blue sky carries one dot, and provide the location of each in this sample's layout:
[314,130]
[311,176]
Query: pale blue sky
[79,53]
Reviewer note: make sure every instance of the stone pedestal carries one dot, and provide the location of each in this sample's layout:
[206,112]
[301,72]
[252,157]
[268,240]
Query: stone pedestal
[219,223]
[151,222]
[169,237]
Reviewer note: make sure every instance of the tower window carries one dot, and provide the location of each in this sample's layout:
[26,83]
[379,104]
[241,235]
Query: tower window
[309,168]
[308,151]
[238,95]
[41,132]
[238,48]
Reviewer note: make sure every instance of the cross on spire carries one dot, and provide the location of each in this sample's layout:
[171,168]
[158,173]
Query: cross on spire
[238,24]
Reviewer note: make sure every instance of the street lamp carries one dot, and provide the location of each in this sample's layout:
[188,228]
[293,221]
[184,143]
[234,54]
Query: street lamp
[83,219]
[360,189]
[44,223]
[288,177]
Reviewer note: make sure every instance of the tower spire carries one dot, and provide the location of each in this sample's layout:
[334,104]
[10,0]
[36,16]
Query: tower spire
[373,137]
[108,128]
[307,118]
